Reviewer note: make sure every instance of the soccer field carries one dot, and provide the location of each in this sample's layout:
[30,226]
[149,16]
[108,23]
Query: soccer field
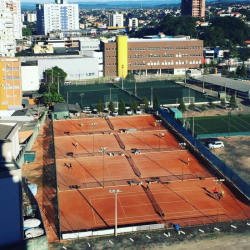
[205,127]
[167,92]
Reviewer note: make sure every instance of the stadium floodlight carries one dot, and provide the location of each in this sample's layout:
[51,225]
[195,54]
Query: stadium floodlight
[93,125]
[113,191]
[102,150]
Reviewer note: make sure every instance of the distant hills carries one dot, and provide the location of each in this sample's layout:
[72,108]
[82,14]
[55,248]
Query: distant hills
[123,4]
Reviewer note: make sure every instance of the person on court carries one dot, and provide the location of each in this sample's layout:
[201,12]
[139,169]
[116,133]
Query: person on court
[162,135]
[76,145]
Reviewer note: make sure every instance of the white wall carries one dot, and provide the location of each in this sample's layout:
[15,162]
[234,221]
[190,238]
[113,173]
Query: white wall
[88,44]
[30,78]
[87,68]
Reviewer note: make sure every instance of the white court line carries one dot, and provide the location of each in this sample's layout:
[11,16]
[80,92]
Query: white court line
[201,127]
[229,124]
[241,125]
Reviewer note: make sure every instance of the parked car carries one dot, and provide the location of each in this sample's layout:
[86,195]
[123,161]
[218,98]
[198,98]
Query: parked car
[237,108]
[129,112]
[216,144]
[115,113]
[67,82]
[138,112]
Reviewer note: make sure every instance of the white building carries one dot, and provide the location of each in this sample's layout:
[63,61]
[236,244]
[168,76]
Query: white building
[76,67]
[116,20]
[89,44]
[132,23]
[31,17]
[56,17]
[30,76]
[7,33]
[15,7]
[96,54]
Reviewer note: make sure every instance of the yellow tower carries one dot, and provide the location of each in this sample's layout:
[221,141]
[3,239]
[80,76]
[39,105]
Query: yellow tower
[122,55]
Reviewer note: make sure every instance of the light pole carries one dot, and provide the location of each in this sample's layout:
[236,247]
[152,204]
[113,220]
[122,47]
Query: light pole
[81,95]
[122,76]
[159,122]
[219,183]
[93,127]
[102,150]
[115,192]
[58,83]
[203,87]
[193,125]
[185,76]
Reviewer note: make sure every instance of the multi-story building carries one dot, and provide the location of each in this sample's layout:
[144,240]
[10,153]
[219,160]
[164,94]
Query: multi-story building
[7,33]
[148,55]
[56,17]
[31,17]
[15,7]
[132,23]
[116,20]
[10,83]
[195,8]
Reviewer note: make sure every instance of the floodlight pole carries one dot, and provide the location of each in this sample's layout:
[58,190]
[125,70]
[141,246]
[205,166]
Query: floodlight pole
[115,192]
[81,95]
[58,83]
[93,127]
[122,76]
[185,76]
[193,125]
[219,183]
[159,122]
[102,150]
[203,87]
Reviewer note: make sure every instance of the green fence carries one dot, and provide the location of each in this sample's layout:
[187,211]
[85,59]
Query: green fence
[28,146]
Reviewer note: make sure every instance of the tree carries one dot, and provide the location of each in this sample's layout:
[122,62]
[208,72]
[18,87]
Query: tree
[156,103]
[55,73]
[49,99]
[111,106]
[26,31]
[224,72]
[122,108]
[130,76]
[244,54]
[211,105]
[192,106]
[134,105]
[233,102]
[223,102]
[182,106]
[48,87]
[203,107]
[144,102]
[100,106]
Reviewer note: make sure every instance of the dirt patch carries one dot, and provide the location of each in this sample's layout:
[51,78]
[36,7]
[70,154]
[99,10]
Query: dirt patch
[236,155]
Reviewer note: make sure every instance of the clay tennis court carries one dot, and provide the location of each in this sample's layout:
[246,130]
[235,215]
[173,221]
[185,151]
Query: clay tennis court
[163,183]
[169,166]
[141,123]
[150,141]
[180,201]
[87,144]
[80,126]
[91,172]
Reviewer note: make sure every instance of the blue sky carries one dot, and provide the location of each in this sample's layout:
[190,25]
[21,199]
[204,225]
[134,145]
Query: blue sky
[71,1]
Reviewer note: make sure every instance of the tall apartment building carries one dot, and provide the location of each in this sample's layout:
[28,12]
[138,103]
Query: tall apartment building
[57,16]
[7,33]
[10,83]
[132,23]
[31,17]
[116,20]
[150,55]
[195,8]
[15,7]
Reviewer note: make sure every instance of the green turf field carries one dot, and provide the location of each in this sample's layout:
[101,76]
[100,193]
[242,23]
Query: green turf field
[167,92]
[214,126]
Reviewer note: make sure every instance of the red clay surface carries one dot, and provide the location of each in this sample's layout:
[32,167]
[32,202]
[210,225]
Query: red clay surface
[75,128]
[181,202]
[170,164]
[95,208]
[64,145]
[193,202]
[88,172]
[141,123]
[149,141]
[187,202]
